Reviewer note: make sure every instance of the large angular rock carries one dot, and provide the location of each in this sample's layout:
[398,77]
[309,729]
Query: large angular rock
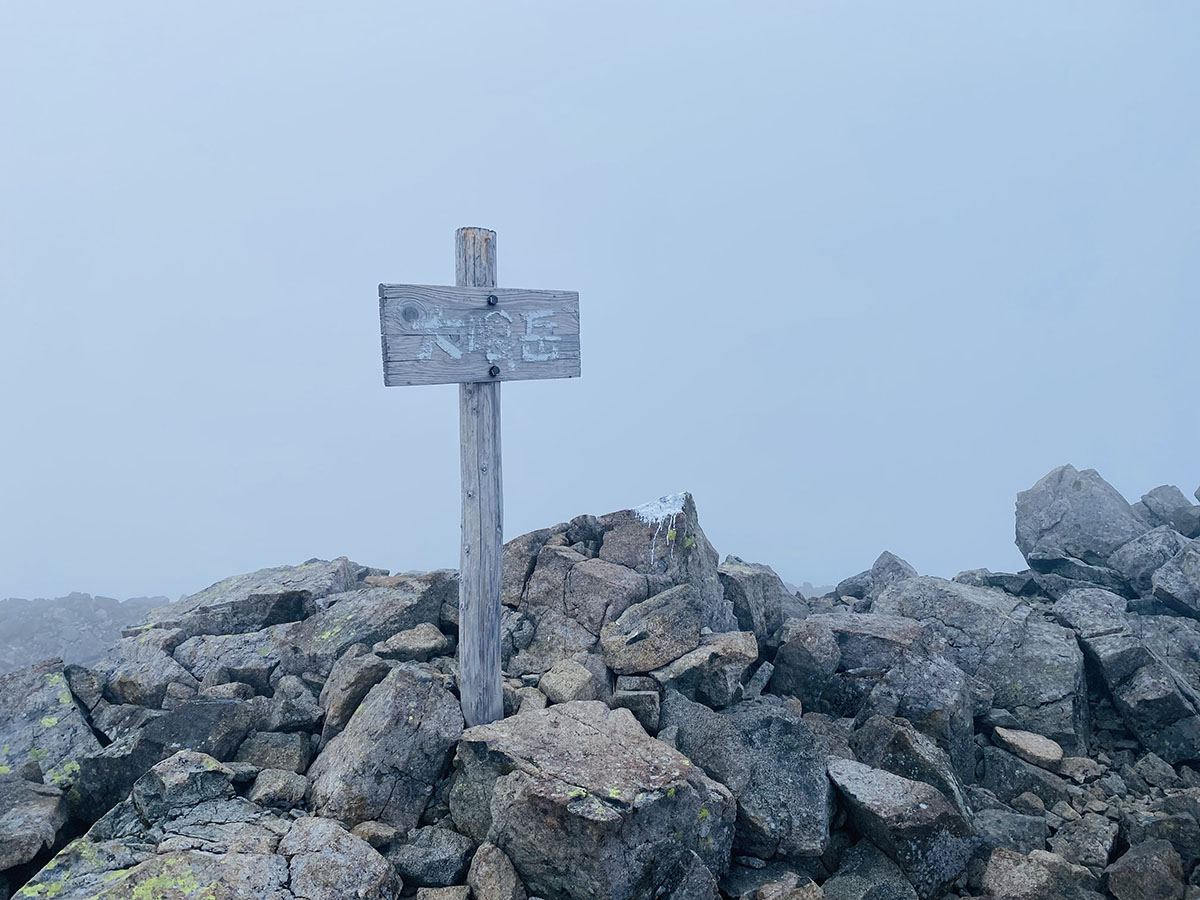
[140,670]
[885,571]
[1034,667]
[652,633]
[432,857]
[712,673]
[1164,502]
[806,660]
[492,876]
[663,539]
[1038,875]
[184,834]
[33,814]
[1156,702]
[1177,582]
[259,599]
[910,821]
[365,616]
[384,765]
[757,595]
[249,657]
[892,744]
[209,726]
[865,873]
[1087,841]
[1074,514]
[1008,776]
[765,753]
[41,723]
[1138,560]
[352,676]
[1148,871]
[541,632]
[585,804]
[936,697]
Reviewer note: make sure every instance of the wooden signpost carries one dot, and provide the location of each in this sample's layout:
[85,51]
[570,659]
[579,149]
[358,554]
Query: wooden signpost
[477,335]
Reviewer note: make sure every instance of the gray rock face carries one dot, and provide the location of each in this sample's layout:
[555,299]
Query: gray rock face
[909,820]
[1034,667]
[41,723]
[1008,776]
[1087,841]
[1156,702]
[652,633]
[935,697]
[276,750]
[249,657]
[563,585]
[432,857]
[1074,514]
[256,600]
[867,874]
[140,670]
[887,570]
[1008,829]
[663,538]
[213,727]
[1177,582]
[1037,875]
[384,765]
[892,744]
[806,661]
[1138,560]
[584,803]
[492,876]
[364,616]
[1164,502]
[417,644]
[766,754]
[183,833]
[1148,871]
[713,672]
[33,814]
[757,595]
[355,672]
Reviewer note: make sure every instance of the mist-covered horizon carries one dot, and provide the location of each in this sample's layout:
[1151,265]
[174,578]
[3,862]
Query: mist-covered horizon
[853,277]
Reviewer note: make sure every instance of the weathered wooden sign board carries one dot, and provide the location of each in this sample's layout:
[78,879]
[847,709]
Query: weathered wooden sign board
[477,335]
[451,335]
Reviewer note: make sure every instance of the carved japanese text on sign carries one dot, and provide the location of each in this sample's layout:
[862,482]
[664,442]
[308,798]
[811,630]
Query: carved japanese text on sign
[449,335]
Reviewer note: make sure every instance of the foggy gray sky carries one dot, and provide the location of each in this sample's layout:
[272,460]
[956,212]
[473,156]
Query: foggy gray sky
[853,275]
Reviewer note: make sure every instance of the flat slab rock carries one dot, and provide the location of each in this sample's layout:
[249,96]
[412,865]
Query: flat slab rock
[256,600]
[586,804]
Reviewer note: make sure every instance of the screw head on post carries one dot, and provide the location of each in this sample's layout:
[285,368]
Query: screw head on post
[494,371]
[492,300]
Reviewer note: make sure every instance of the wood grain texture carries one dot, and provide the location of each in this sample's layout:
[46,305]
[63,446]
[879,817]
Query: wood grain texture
[443,335]
[482,511]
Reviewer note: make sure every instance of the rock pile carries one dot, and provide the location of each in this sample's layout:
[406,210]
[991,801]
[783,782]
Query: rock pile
[674,727]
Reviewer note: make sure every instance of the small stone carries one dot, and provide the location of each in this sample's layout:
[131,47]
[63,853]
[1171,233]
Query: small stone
[1065,811]
[417,644]
[492,876]
[432,857]
[276,787]
[1029,803]
[378,834]
[1079,769]
[567,681]
[1155,771]
[1033,748]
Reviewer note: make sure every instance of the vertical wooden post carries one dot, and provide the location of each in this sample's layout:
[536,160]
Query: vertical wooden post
[482,511]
